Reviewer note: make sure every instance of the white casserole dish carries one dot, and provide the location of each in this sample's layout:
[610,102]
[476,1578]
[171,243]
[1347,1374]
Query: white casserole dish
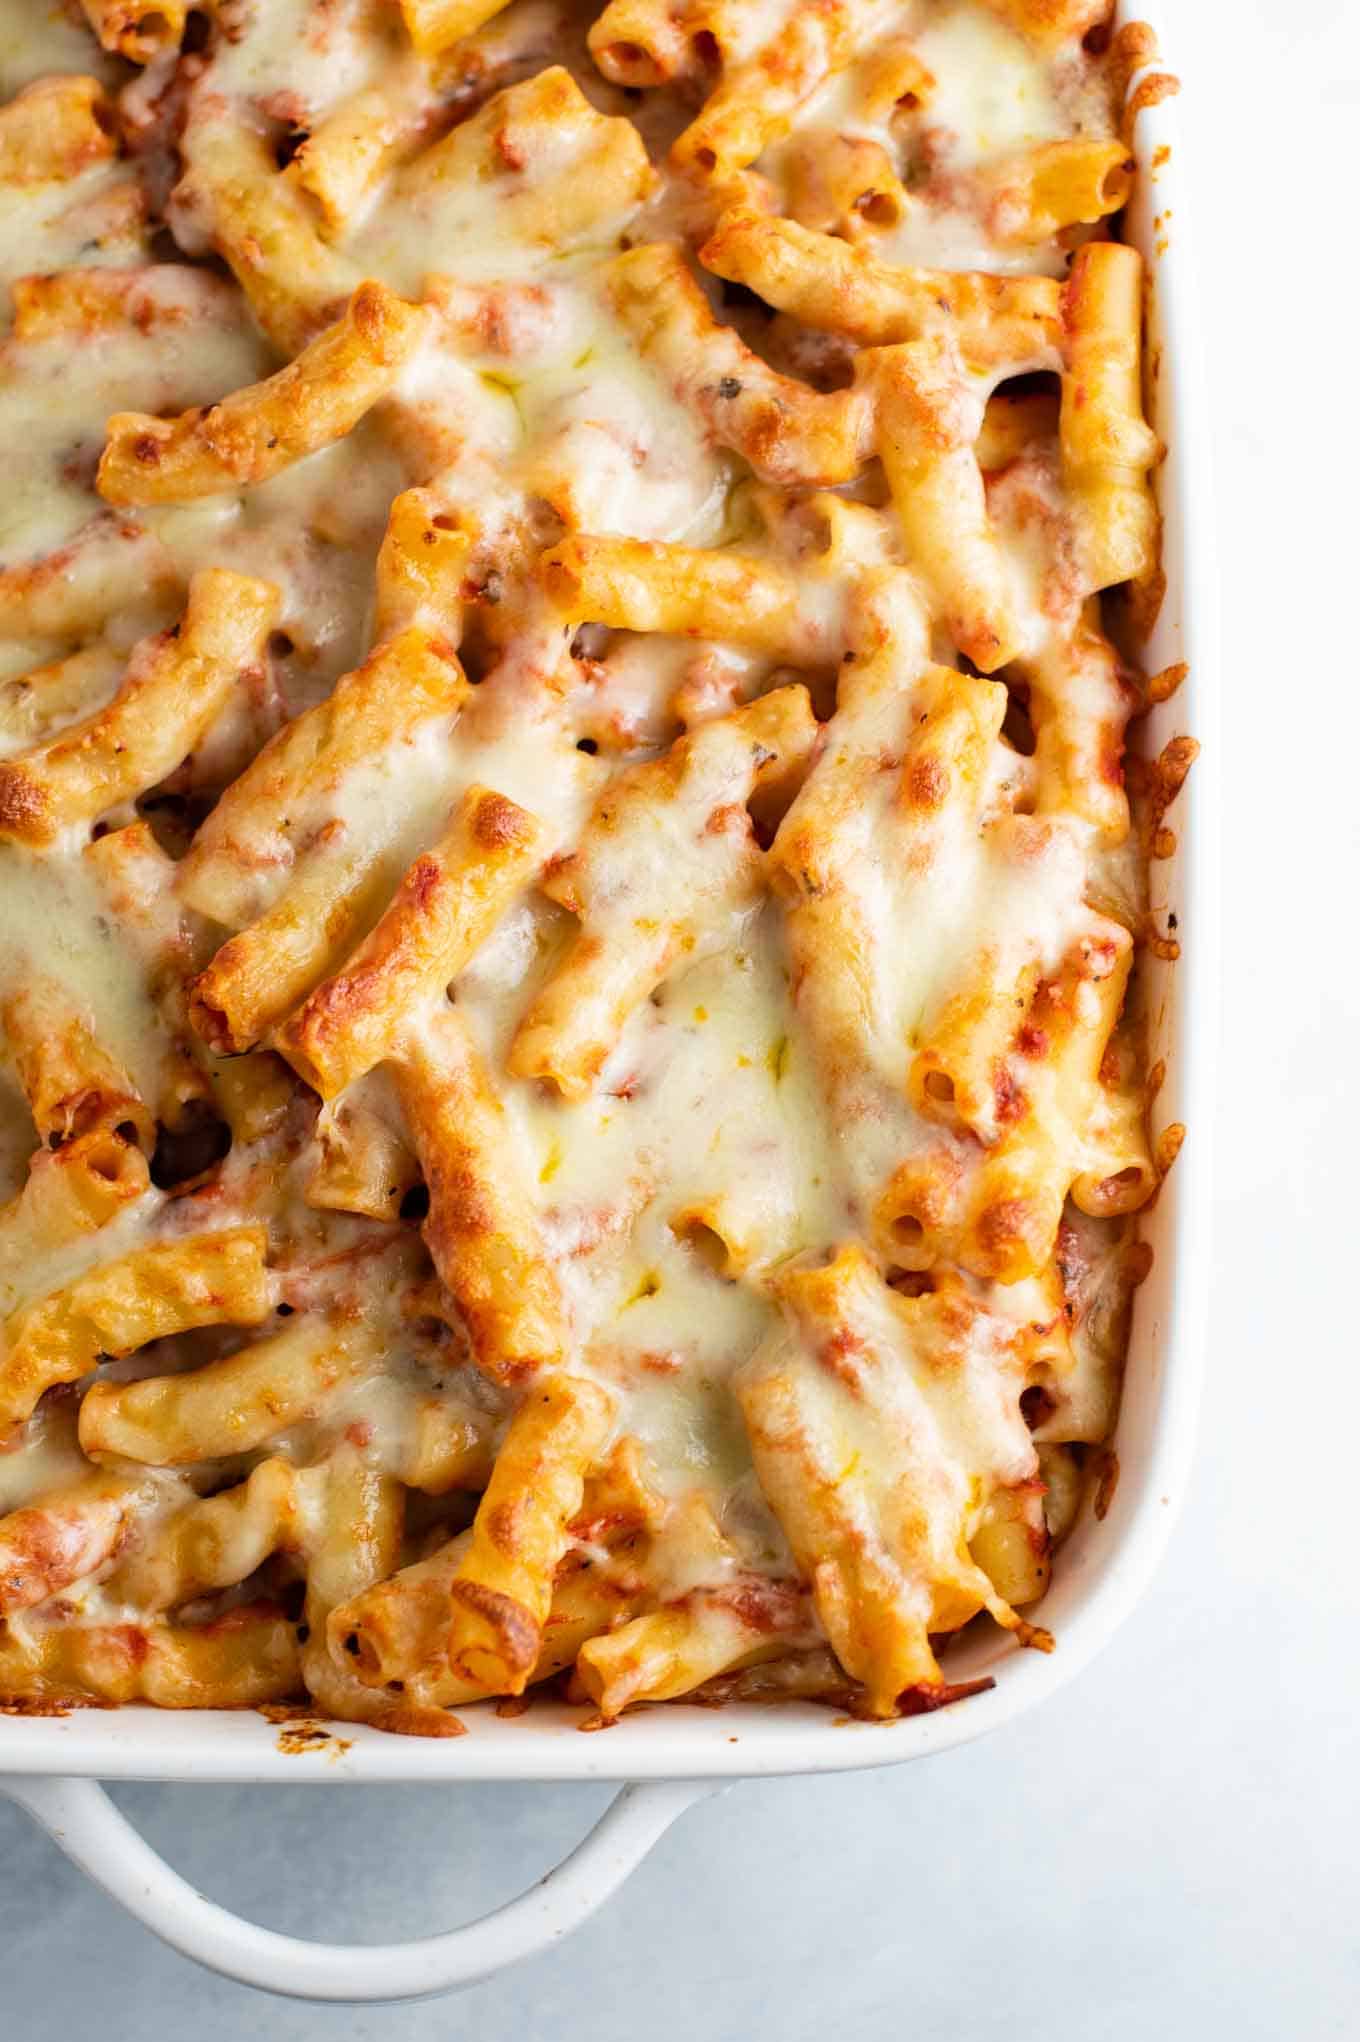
[674,1756]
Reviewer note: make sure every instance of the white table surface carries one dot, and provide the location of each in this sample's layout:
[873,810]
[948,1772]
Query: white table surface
[1168,1848]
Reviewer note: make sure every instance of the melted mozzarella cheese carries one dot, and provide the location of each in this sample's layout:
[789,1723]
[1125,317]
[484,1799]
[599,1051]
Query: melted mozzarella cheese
[45,39]
[713,1152]
[57,924]
[294,61]
[180,342]
[993,91]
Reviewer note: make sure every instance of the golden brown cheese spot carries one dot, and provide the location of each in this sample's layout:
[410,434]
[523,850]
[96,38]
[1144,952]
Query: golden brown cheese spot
[927,782]
[462,1204]
[518,1636]
[1011,1103]
[841,1356]
[503,1524]
[24,805]
[128,1643]
[1005,1226]
[498,824]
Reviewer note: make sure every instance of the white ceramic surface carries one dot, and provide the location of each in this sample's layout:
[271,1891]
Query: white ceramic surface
[1098,1576]
[1169,1839]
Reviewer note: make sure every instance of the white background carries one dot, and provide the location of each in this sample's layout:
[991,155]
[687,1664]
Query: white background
[1168,1849]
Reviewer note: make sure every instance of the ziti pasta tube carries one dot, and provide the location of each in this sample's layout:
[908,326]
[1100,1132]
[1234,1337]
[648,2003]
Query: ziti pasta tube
[204,1280]
[176,685]
[502,1590]
[642,915]
[448,903]
[881,1426]
[255,433]
[482,1229]
[1108,448]
[225,1407]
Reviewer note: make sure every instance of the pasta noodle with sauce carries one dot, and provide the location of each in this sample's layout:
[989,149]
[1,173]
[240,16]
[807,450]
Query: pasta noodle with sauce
[573,1103]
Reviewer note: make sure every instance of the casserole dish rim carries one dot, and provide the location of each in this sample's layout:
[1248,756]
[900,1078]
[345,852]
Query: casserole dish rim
[1099,1574]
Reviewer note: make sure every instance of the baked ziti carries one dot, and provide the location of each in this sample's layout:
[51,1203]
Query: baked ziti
[571,892]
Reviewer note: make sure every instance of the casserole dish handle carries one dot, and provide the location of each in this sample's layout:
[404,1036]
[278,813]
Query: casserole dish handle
[79,1816]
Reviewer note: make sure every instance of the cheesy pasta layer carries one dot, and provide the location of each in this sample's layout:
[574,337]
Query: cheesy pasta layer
[570,891]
